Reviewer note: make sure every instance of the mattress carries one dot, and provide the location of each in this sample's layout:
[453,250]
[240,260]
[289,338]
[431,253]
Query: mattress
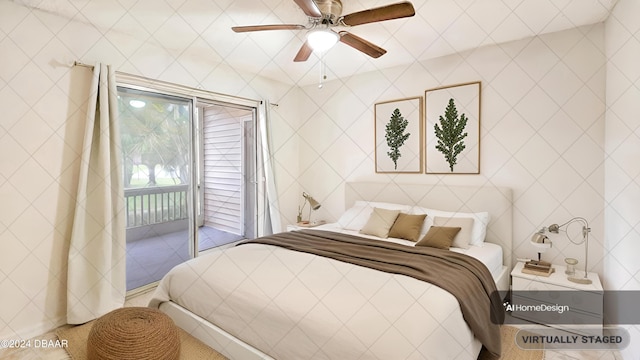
[293,305]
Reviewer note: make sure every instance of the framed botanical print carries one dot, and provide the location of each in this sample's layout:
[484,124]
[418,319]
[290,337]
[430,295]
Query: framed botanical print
[452,129]
[398,136]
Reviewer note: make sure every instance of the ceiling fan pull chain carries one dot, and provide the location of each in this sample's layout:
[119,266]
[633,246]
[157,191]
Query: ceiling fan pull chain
[323,71]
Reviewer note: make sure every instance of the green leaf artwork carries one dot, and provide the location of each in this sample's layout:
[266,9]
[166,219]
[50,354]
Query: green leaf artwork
[451,133]
[395,135]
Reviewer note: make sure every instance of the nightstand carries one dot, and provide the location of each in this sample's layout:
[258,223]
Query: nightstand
[585,302]
[301,226]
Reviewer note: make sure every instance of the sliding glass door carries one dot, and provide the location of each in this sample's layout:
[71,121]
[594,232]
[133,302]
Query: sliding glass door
[156,132]
[189,168]
[226,174]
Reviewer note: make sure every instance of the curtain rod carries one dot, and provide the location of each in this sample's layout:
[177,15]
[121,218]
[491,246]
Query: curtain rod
[78,63]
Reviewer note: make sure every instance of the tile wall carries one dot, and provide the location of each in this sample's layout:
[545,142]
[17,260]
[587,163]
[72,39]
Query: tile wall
[559,126]
[43,101]
[542,131]
[622,151]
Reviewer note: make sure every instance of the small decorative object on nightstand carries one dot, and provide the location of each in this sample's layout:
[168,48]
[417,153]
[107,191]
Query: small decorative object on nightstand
[571,266]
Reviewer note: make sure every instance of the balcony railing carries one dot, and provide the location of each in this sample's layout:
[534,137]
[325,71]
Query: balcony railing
[155,205]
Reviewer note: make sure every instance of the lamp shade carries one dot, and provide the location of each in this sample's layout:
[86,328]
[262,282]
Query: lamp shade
[541,241]
[315,205]
[322,39]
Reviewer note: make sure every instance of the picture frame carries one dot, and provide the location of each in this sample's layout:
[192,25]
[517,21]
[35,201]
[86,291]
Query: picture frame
[398,135]
[452,138]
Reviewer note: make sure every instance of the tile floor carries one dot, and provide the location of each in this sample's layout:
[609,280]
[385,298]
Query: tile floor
[149,259]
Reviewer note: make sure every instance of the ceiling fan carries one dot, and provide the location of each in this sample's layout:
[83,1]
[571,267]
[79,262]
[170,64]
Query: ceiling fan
[327,14]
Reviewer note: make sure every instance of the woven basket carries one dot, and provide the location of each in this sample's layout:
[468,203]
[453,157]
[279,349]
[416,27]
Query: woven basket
[134,333]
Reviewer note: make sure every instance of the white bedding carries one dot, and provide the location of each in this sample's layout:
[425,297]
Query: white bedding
[262,295]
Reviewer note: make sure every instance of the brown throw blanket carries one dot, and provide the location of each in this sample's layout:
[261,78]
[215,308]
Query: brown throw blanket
[464,277]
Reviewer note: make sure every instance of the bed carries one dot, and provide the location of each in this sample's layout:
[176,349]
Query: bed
[267,301]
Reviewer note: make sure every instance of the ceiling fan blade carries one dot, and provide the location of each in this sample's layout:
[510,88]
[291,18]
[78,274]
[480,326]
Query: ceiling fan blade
[309,7]
[304,52]
[248,28]
[388,12]
[361,44]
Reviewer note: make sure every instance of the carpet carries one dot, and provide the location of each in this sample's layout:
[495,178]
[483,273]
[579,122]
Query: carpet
[510,350]
[190,347]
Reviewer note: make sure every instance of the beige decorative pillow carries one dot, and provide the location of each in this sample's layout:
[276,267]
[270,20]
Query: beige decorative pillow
[380,222]
[407,226]
[439,237]
[463,239]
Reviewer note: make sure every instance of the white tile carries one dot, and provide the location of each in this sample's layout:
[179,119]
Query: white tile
[13,156]
[175,24]
[542,11]
[55,15]
[104,15]
[12,256]
[11,15]
[560,180]
[537,107]
[465,33]
[150,14]
[26,277]
[31,179]
[626,103]
[10,65]
[10,195]
[536,155]
[510,25]
[30,83]
[587,56]
[26,233]
[513,83]
[30,34]
[625,252]
[561,83]
[13,305]
[585,156]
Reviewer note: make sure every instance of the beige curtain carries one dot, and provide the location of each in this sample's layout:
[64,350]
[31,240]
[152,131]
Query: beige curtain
[96,281]
[268,207]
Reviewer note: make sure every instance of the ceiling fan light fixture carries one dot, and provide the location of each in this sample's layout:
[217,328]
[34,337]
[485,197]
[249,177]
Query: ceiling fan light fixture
[322,39]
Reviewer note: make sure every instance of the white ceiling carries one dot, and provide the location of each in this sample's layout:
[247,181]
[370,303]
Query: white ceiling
[440,27]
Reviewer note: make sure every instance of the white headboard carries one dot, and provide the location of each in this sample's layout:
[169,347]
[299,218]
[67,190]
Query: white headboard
[495,200]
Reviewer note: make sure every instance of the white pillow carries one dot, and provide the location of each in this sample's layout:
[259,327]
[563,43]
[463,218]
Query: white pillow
[383,205]
[478,231]
[356,216]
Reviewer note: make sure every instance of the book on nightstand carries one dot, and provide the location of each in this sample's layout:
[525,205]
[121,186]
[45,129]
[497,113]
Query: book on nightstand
[538,267]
